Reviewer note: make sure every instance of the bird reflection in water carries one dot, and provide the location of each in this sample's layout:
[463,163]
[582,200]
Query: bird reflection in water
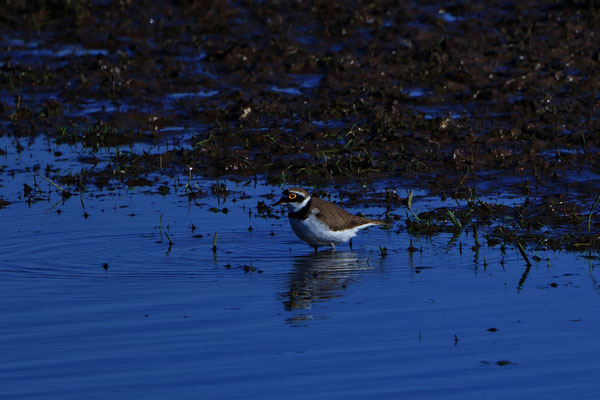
[321,276]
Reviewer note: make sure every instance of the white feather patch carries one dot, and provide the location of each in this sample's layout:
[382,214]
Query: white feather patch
[295,207]
[316,233]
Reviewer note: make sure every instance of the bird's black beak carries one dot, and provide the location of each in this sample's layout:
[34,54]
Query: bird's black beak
[278,202]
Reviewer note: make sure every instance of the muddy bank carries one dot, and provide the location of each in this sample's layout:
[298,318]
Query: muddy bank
[461,100]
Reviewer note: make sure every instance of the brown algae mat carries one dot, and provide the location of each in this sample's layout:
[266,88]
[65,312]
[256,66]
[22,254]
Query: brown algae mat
[462,100]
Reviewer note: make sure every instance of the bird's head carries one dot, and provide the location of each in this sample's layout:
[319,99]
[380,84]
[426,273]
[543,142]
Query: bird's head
[294,198]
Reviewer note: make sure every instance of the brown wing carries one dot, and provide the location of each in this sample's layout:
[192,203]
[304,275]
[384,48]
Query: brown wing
[338,218]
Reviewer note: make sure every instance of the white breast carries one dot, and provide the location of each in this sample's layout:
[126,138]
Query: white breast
[316,233]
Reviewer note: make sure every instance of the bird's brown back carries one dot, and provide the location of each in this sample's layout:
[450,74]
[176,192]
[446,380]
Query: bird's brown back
[338,218]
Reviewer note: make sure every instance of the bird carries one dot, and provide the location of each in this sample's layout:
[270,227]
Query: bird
[320,223]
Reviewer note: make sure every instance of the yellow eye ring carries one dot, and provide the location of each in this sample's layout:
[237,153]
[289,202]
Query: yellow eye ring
[292,196]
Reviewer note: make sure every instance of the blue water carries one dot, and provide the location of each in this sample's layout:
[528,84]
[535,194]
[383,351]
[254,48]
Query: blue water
[266,317]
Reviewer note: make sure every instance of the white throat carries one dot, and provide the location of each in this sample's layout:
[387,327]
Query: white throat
[295,207]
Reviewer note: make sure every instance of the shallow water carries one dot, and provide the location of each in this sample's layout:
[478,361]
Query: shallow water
[102,306]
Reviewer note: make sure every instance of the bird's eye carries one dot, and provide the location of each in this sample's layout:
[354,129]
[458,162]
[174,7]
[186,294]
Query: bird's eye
[292,196]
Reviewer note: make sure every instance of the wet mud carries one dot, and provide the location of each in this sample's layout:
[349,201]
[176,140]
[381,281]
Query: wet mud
[465,101]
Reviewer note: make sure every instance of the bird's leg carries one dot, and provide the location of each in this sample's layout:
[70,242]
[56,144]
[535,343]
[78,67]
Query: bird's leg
[315,247]
[333,246]
[350,244]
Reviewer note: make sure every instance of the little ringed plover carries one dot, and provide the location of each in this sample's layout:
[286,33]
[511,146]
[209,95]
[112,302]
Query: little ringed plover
[320,223]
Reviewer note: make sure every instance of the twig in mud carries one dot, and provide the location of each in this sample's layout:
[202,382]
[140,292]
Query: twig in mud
[523,254]
[589,225]
[214,246]
[170,241]
[64,192]
[454,220]
[53,184]
[409,205]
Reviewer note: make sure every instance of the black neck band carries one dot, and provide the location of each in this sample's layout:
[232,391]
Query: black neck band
[302,213]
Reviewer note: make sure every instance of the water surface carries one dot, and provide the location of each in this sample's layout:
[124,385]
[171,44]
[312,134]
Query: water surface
[96,304]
